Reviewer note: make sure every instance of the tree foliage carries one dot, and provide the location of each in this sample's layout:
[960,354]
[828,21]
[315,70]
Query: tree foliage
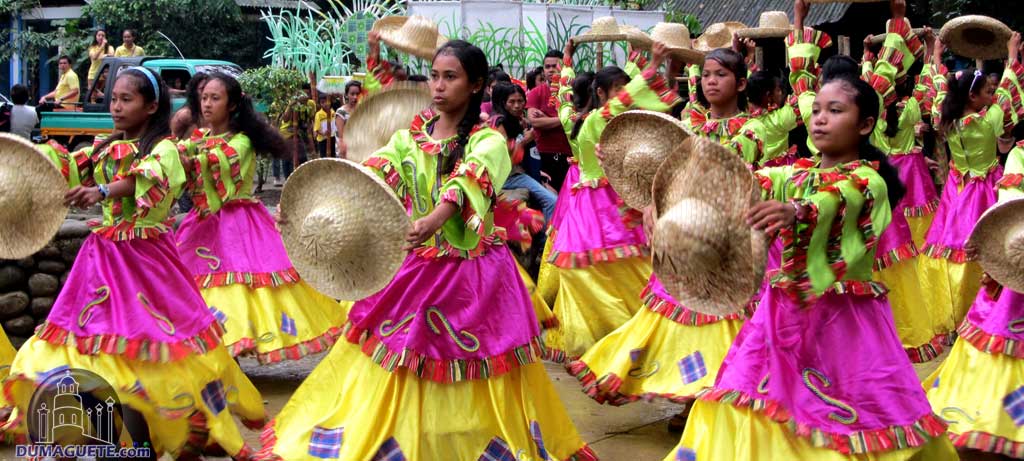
[273,87]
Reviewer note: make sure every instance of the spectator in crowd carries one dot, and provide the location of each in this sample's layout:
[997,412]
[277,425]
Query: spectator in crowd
[495,76]
[67,91]
[535,78]
[129,48]
[322,125]
[23,118]
[97,51]
[552,145]
[352,91]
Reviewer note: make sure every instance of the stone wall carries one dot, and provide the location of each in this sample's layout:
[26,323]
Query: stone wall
[28,287]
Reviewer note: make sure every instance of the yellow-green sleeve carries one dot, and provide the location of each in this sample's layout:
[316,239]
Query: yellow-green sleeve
[159,178]
[1011,185]
[387,161]
[1008,99]
[76,167]
[562,87]
[472,185]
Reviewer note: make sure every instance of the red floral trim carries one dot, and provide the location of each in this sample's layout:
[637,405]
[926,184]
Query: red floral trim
[657,83]
[418,130]
[860,442]
[637,57]
[442,370]
[956,255]
[446,249]
[248,346]
[134,349]
[990,343]
[251,279]
[890,258]
[579,260]
[682,315]
[607,388]
[921,210]
[476,173]
[1011,181]
[386,170]
[989,443]
[961,178]
[519,221]
[809,35]
[927,351]
[234,164]
[380,69]
[714,128]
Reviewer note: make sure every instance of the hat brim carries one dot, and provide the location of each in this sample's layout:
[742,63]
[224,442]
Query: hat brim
[378,116]
[764,32]
[596,38]
[652,137]
[976,37]
[34,186]
[990,235]
[688,55]
[847,1]
[389,27]
[384,221]
[878,39]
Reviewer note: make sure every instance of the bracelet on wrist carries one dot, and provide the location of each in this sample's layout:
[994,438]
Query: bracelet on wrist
[104,191]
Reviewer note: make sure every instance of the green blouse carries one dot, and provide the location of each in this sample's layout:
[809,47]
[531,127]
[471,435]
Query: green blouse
[1011,185]
[220,169]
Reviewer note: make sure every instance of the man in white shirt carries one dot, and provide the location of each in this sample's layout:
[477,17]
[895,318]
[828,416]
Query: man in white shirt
[23,118]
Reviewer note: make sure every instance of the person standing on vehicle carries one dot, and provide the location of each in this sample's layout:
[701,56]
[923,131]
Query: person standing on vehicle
[67,91]
[97,51]
[129,48]
[23,118]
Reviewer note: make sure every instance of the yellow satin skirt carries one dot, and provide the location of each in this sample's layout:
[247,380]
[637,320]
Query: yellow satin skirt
[639,359]
[593,301]
[547,277]
[351,409]
[545,318]
[720,431]
[919,226]
[168,394]
[910,311]
[970,389]
[948,285]
[286,322]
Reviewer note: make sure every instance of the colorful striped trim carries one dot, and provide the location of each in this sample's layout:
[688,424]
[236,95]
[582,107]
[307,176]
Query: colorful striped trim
[578,260]
[606,389]
[380,69]
[248,346]
[557,356]
[921,211]
[988,443]
[1011,181]
[136,349]
[990,343]
[901,253]
[386,170]
[956,255]
[446,250]
[442,370]
[657,83]
[549,323]
[251,279]
[683,316]
[126,230]
[809,35]
[927,351]
[885,439]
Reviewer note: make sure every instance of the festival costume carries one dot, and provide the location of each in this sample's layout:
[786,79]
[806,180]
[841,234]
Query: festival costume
[443,363]
[600,249]
[131,313]
[949,277]
[979,386]
[785,391]
[232,249]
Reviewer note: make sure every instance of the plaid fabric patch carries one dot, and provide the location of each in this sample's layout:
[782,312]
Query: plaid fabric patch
[389,451]
[497,450]
[692,368]
[288,324]
[219,314]
[1014,405]
[686,454]
[214,396]
[539,440]
[325,443]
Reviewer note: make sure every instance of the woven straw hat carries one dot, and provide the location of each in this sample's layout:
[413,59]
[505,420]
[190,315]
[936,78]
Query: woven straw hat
[637,37]
[676,38]
[846,1]
[415,35]
[377,117]
[634,145]
[705,254]
[718,35]
[999,236]
[31,198]
[344,228]
[771,24]
[604,29]
[977,37]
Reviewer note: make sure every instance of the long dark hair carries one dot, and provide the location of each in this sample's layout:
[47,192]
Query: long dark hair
[760,87]
[96,42]
[531,77]
[499,97]
[158,127]
[474,62]
[244,119]
[605,79]
[866,99]
[970,82]
[734,62]
[904,88]
[193,98]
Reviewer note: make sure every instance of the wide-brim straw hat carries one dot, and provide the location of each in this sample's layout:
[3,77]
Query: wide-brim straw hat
[705,254]
[718,35]
[999,237]
[771,24]
[31,198]
[878,39]
[636,37]
[604,29]
[847,1]
[976,37]
[415,35]
[676,38]
[343,228]
[377,117]
[634,145]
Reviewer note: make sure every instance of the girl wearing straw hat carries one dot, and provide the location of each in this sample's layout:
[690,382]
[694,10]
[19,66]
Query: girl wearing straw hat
[229,243]
[979,385]
[792,387]
[130,310]
[600,249]
[971,121]
[444,362]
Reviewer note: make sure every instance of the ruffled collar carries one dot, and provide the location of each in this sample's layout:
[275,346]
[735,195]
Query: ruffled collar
[717,128]
[420,131]
[117,150]
[807,168]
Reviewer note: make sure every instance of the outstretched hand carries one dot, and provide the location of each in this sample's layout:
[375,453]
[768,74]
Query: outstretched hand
[770,216]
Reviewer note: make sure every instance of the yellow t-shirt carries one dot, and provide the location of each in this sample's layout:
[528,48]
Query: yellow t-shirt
[94,64]
[319,120]
[68,82]
[123,52]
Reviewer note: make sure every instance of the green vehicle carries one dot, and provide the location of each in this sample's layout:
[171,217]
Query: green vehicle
[76,128]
